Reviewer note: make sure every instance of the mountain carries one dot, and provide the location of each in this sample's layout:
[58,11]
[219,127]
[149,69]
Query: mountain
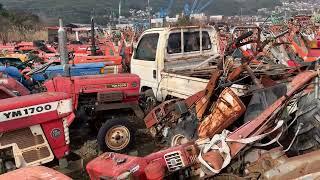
[80,10]
[17,19]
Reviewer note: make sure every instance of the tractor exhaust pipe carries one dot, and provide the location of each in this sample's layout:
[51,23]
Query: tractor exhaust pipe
[63,51]
[93,39]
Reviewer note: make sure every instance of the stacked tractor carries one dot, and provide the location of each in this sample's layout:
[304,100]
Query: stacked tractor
[221,133]
[44,117]
[246,123]
[35,119]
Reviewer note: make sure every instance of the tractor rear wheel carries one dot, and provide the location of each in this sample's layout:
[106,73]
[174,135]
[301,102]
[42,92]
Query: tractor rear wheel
[116,135]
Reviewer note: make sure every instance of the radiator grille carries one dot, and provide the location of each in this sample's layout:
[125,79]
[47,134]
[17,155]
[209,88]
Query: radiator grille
[29,144]
[110,97]
[22,137]
[174,161]
[36,154]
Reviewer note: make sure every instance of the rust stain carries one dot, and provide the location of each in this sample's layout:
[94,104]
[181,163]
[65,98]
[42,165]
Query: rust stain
[227,109]
[258,125]
[202,105]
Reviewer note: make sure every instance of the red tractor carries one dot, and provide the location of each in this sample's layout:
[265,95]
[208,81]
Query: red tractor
[104,102]
[176,161]
[100,101]
[34,129]
[36,172]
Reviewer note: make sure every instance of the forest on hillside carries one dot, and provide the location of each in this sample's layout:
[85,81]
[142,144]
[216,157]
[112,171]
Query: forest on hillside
[81,10]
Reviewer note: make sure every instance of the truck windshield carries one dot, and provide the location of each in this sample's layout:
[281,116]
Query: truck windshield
[191,41]
[147,47]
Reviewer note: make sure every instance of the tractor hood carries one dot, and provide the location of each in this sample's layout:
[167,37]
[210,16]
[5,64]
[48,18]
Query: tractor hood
[75,70]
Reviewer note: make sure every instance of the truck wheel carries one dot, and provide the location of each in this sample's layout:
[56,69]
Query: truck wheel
[116,135]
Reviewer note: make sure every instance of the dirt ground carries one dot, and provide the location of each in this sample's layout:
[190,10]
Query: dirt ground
[87,148]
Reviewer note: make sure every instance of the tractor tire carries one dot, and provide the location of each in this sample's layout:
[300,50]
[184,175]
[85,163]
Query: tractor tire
[184,132]
[178,136]
[116,135]
[308,138]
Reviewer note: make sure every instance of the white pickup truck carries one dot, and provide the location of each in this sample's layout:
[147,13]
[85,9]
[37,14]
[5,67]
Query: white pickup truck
[165,58]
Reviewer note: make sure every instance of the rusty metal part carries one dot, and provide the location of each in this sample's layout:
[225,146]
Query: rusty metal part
[267,161]
[235,74]
[227,109]
[255,80]
[259,124]
[191,101]
[159,112]
[276,165]
[255,38]
[202,105]
[267,81]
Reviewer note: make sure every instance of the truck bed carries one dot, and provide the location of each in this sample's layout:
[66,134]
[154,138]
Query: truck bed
[200,66]
[205,72]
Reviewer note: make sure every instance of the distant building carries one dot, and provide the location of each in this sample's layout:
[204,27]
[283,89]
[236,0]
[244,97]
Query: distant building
[217,18]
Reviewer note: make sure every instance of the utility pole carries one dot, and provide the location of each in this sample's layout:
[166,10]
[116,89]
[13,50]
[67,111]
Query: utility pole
[119,12]
[149,13]
[241,15]
[93,38]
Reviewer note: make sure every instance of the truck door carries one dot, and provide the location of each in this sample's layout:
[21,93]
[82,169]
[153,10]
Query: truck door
[144,61]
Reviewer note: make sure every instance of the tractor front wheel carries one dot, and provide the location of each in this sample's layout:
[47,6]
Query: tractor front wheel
[116,135]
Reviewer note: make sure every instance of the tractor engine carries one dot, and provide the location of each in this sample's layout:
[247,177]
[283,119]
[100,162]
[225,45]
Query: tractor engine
[34,129]
[172,118]
[169,162]
[97,93]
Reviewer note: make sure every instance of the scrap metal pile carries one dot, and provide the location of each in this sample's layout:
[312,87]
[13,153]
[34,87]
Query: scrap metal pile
[268,131]
[257,118]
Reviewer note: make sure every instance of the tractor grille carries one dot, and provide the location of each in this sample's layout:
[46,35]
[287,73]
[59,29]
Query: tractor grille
[110,97]
[36,154]
[29,142]
[22,137]
[174,161]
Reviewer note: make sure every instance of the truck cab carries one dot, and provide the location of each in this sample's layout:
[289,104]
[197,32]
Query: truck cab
[161,52]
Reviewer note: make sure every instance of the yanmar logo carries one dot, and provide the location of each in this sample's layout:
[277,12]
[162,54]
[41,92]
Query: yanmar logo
[117,85]
[28,111]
